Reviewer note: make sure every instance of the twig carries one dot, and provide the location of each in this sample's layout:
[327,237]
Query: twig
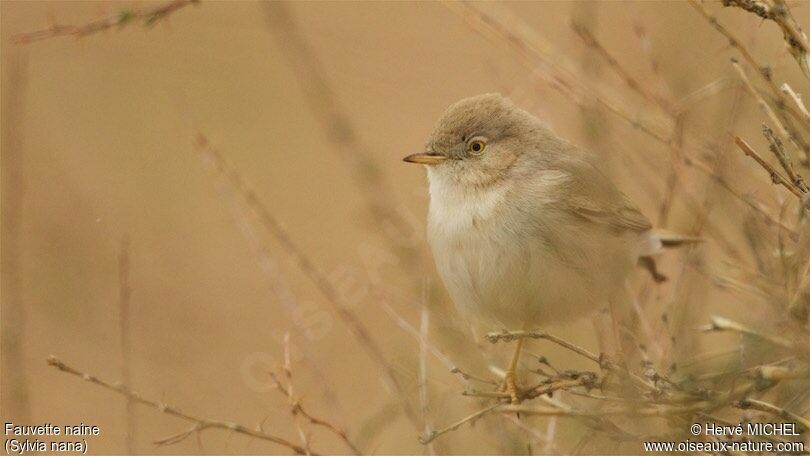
[724,324]
[591,41]
[560,79]
[779,13]
[509,336]
[468,376]
[726,185]
[784,159]
[646,412]
[424,440]
[200,424]
[760,101]
[796,98]
[773,410]
[736,44]
[149,16]
[303,262]
[295,403]
[124,294]
[413,332]
[16,382]
[424,331]
[776,176]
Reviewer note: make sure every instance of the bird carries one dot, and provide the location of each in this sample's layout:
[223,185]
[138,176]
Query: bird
[525,228]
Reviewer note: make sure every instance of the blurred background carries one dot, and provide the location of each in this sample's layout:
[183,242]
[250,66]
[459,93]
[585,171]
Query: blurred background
[129,255]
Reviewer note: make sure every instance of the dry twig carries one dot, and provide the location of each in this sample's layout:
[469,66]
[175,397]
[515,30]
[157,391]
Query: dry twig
[295,402]
[149,17]
[199,424]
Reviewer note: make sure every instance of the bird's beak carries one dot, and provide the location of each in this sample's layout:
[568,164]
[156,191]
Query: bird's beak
[425,159]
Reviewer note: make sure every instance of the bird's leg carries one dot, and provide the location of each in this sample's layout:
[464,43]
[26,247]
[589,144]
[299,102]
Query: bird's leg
[510,379]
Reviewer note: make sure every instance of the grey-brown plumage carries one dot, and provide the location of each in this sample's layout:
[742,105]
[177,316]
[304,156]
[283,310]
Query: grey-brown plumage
[525,229]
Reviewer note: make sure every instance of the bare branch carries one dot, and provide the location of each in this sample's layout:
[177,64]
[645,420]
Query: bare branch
[200,424]
[149,17]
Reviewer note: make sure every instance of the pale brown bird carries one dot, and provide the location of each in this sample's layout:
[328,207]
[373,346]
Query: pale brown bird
[525,229]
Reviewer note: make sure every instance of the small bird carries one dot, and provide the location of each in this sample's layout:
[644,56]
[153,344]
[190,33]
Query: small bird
[524,227]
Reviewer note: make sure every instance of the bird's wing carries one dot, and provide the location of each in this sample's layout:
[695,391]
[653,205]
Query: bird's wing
[615,211]
[593,196]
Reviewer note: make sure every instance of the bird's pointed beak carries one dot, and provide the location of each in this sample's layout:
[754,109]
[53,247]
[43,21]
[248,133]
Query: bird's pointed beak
[425,159]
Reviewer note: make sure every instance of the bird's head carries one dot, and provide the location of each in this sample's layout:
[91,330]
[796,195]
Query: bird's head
[478,139]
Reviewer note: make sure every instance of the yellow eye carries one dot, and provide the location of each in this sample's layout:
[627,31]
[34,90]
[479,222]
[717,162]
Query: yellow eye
[476,147]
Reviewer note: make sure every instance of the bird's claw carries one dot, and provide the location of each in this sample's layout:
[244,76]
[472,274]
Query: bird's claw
[511,388]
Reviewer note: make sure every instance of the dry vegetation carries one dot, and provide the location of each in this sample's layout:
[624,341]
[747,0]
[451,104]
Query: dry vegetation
[757,250]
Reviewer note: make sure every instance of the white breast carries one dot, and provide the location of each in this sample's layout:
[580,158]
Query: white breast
[473,253]
[497,268]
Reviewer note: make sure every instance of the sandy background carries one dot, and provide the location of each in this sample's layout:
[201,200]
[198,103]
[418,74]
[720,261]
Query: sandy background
[99,133]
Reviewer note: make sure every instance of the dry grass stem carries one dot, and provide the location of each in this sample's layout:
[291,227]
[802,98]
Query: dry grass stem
[124,300]
[724,324]
[535,53]
[302,261]
[426,439]
[149,17]
[795,185]
[779,12]
[590,40]
[796,98]
[771,409]
[14,322]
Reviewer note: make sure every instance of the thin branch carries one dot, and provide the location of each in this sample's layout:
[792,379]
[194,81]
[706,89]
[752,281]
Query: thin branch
[779,12]
[124,299]
[302,261]
[590,40]
[784,159]
[532,52]
[796,98]
[724,324]
[424,393]
[426,439]
[199,424]
[295,403]
[776,176]
[748,57]
[774,410]
[14,324]
[149,17]
[760,101]
[509,336]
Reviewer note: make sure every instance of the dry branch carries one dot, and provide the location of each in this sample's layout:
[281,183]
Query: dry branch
[296,408]
[778,11]
[303,262]
[149,17]
[724,324]
[124,300]
[795,185]
[199,424]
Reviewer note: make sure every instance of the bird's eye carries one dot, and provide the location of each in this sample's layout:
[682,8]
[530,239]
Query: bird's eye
[476,147]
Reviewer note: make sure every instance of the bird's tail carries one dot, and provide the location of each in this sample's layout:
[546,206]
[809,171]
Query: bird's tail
[670,239]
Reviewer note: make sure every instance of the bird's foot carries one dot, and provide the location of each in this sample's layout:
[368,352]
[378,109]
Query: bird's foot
[510,387]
